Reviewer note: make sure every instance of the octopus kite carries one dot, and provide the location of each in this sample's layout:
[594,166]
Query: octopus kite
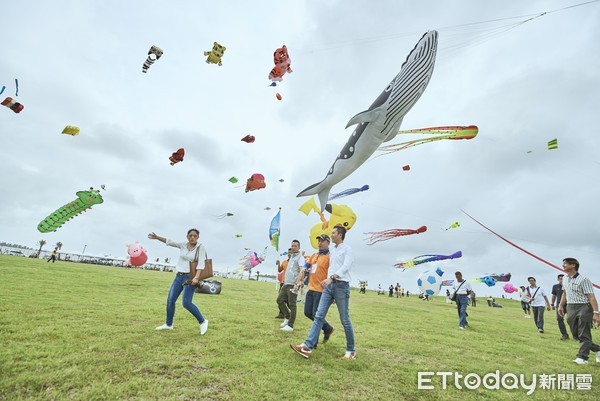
[85,200]
[449,132]
[347,192]
[425,259]
[385,235]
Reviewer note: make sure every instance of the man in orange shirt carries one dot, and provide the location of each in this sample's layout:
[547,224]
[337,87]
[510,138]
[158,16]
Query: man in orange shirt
[316,267]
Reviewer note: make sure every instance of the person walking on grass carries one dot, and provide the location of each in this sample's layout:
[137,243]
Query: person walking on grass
[335,288]
[525,304]
[288,294]
[537,297]
[582,310]
[53,256]
[281,268]
[557,291]
[462,289]
[317,266]
[189,251]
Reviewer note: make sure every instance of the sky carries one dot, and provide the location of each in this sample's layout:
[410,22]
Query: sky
[523,78]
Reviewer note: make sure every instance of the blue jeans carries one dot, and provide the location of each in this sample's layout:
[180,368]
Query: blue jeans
[340,292]
[188,294]
[311,305]
[461,306]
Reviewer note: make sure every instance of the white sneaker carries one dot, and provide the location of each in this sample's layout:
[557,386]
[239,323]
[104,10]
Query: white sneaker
[203,327]
[287,329]
[598,357]
[164,327]
[580,361]
[285,322]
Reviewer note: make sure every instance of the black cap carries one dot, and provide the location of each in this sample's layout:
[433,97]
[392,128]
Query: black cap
[324,237]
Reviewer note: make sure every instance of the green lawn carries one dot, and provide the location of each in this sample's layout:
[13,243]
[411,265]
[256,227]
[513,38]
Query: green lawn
[83,332]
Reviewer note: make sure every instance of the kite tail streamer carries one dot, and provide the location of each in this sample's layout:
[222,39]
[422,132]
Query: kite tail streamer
[518,247]
[17,85]
[85,200]
[2,90]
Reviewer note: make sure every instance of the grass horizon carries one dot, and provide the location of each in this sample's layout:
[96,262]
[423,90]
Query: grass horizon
[79,331]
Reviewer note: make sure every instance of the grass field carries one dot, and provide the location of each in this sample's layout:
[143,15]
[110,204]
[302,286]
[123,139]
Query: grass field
[83,332]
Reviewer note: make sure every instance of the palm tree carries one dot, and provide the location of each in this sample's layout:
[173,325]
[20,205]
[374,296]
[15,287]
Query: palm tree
[42,243]
[59,245]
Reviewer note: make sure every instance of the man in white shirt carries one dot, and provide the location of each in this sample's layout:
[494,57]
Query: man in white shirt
[336,288]
[582,310]
[288,294]
[537,296]
[462,289]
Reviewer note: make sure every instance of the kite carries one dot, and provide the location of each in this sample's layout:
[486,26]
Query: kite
[214,55]
[553,144]
[518,247]
[381,121]
[154,54]
[11,104]
[456,224]
[341,215]
[450,132]
[348,192]
[177,157]
[385,235]
[267,208]
[282,61]
[252,259]
[406,168]
[491,279]
[509,288]
[137,254]
[17,86]
[425,259]
[248,139]
[281,180]
[256,181]
[233,180]
[71,130]
[222,216]
[238,236]
[275,230]
[278,96]
[2,90]
[85,200]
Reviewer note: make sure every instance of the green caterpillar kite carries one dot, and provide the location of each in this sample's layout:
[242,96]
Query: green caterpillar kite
[85,200]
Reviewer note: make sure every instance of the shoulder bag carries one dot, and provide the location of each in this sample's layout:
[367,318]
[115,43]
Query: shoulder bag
[453,297]
[205,273]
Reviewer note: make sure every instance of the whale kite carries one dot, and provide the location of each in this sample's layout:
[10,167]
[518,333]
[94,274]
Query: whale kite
[380,122]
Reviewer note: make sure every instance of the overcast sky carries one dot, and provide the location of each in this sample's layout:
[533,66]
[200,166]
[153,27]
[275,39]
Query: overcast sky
[80,63]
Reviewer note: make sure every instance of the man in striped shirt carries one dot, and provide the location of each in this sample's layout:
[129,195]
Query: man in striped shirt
[582,309]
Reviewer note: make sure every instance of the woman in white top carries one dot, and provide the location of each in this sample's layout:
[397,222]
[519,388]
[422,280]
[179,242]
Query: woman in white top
[188,252]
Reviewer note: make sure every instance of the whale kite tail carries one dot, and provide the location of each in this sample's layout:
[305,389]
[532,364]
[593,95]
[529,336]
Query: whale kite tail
[321,190]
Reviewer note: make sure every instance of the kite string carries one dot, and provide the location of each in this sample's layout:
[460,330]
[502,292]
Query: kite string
[518,247]
[492,31]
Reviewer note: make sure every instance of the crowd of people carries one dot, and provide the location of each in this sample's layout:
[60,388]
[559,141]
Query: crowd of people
[327,275]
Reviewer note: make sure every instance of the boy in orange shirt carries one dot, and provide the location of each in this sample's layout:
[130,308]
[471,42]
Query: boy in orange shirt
[316,267]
